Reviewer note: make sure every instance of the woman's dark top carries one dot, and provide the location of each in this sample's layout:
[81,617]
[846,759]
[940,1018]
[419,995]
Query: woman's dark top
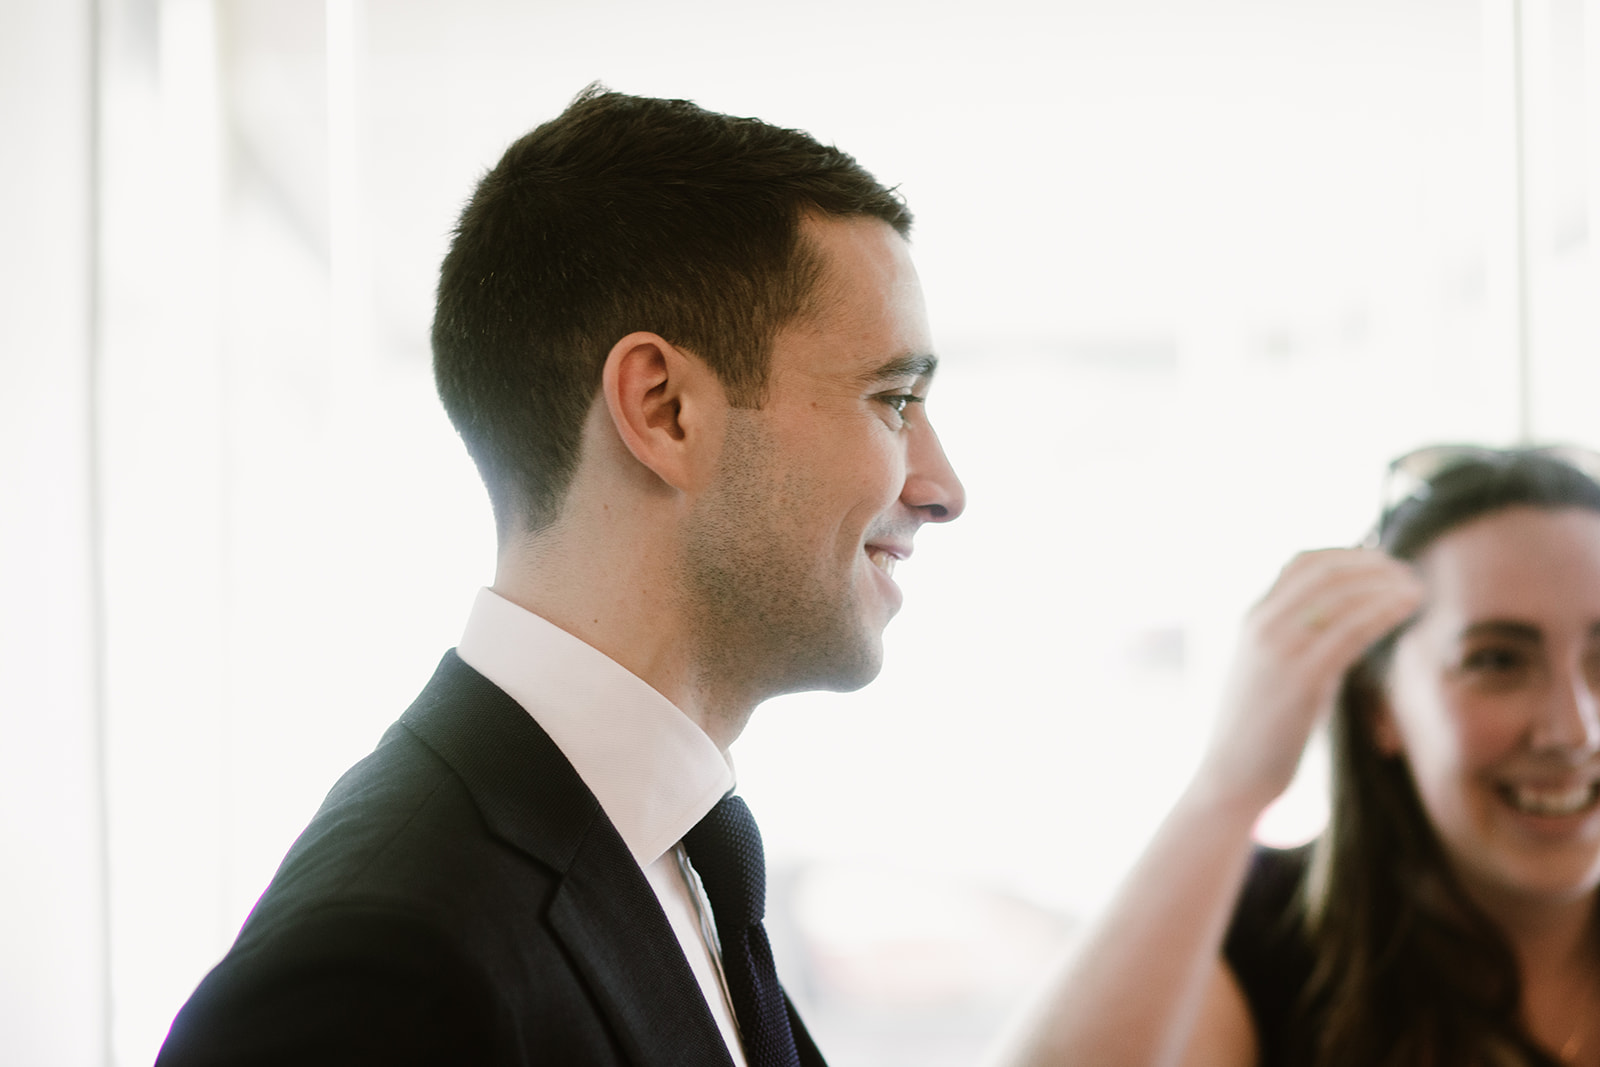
[1268,954]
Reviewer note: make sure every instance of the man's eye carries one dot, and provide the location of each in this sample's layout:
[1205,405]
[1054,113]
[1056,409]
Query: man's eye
[900,401]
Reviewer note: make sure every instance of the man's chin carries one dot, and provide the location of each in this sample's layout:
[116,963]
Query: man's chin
[853,683]
[857,669]
[841,670]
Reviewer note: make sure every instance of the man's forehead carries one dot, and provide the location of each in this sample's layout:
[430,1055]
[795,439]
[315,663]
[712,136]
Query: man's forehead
[867,309]
[858,249]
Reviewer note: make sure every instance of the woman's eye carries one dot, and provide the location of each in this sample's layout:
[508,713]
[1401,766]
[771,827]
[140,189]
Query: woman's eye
[1493,660]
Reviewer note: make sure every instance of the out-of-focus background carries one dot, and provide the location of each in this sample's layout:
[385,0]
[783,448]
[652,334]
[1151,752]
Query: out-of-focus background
[1196,271]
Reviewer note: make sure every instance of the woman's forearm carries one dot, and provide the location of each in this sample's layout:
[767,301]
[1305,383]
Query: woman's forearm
[1137,985]
[1131,992]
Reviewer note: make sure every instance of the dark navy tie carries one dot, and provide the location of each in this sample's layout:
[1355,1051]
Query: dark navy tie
[725,848]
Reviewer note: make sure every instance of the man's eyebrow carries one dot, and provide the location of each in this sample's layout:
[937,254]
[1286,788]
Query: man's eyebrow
[1505,628]
[907,366]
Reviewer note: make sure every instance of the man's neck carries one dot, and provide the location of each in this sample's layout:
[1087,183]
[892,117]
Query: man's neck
[625,609]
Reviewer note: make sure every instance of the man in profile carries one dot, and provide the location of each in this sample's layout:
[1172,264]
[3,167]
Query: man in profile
[688,354]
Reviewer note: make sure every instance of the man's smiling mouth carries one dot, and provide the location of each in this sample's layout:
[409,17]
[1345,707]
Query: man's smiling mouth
[882,559]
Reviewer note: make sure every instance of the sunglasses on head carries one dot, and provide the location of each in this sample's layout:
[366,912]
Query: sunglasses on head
[1412,476]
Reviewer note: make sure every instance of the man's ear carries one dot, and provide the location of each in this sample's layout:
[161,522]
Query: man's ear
[665,404]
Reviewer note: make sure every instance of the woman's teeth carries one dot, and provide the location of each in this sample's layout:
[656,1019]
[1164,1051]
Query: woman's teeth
[881,560]
[1535,801]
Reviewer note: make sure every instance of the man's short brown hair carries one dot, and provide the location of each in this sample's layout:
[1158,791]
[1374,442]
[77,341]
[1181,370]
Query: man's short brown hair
[623,214]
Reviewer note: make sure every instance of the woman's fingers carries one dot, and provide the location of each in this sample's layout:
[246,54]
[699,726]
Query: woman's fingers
[1324,610]
[1316,588]
[1357,614]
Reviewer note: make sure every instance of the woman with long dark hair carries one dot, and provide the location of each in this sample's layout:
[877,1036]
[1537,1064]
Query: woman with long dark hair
[1447,914]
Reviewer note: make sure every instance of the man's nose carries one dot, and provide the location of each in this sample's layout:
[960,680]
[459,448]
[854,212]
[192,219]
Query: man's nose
[932,488]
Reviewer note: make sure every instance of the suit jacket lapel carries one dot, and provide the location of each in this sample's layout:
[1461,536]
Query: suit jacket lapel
[652,996]
[604,910]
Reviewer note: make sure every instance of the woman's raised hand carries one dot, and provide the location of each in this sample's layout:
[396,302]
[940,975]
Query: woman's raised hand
[1326,608]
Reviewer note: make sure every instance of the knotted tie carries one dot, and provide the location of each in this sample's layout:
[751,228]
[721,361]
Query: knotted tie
[725,848]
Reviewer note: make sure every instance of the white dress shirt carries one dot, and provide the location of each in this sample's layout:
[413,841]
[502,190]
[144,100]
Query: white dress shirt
[654,772]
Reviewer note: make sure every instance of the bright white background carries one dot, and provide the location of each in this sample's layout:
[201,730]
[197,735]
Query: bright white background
[1196,269]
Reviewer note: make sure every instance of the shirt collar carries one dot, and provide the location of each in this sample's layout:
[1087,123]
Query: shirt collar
[654,772]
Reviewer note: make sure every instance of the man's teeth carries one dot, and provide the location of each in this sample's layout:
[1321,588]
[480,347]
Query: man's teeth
[1553,801]
[881,560]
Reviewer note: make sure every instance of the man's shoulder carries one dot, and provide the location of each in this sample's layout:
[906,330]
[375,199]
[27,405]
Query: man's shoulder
[415,905]
[419,826]
[352,980]
[400,832]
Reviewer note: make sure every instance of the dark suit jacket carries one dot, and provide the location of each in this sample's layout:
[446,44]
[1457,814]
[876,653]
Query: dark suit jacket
[460,898]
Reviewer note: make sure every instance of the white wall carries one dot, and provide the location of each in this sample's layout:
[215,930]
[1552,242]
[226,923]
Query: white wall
[52,929]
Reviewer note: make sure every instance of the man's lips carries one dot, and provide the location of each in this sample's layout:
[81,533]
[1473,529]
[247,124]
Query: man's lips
[884,557]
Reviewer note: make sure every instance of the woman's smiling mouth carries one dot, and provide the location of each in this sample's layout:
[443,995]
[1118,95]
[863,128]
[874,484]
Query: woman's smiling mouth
[1551,801]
